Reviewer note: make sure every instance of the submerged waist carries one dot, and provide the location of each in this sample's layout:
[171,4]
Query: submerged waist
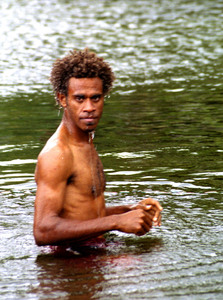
[79,247]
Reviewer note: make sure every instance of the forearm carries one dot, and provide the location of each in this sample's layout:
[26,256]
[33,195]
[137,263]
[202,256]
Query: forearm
[116,210]
[58,230]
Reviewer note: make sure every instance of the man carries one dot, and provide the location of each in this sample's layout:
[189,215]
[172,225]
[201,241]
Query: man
[70,207]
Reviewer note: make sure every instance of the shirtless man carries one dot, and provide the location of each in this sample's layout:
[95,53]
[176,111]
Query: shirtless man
[70,206]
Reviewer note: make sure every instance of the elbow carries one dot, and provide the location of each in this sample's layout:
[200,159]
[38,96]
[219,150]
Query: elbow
[40,237]
[43,235]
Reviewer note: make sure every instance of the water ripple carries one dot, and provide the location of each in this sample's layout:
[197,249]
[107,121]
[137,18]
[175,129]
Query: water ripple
[142,34]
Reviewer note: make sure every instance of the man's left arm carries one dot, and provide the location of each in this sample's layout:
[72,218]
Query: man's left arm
[116,210]
[147,204]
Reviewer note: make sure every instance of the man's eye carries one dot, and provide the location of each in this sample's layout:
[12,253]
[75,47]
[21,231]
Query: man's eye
[79,98]
[96,98]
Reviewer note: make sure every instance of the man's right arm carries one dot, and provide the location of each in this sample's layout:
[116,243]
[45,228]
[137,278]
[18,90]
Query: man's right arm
[53,169]
[50,229]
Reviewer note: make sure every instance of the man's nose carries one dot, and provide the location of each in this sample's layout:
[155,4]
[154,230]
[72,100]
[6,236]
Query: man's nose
[89,105]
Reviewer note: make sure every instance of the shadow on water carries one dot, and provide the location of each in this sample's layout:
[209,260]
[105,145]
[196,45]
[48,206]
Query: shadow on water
[84,276]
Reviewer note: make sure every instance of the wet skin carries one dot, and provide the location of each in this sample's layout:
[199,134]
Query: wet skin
[70,205]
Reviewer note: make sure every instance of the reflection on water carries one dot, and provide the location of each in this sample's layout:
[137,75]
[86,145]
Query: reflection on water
[63,277]
[160,135]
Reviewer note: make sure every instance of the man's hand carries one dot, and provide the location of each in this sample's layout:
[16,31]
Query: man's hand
[138,221]
[150,206]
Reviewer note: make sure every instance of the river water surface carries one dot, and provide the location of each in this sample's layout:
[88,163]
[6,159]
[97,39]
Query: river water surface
[160,136]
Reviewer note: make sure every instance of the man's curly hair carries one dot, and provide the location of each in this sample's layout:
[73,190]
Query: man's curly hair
[80,64]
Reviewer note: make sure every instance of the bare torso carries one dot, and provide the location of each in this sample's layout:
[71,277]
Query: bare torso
[84,182]
[84,194]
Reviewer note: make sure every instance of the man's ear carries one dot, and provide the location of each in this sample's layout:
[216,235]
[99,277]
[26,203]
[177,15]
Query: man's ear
[62,99]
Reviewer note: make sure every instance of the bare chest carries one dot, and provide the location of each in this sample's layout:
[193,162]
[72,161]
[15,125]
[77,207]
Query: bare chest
[87,176]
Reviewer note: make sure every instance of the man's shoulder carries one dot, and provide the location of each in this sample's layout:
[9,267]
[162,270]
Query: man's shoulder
[56,156]
[55,148]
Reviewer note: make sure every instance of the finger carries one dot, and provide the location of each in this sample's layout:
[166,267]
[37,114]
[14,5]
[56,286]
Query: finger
[157,222]
[151,209]
[137,206]
[157,214]
[157,205]
[148,207]
[140,233]
[144,208]
[148,219]
[155,210]
[153,202]
[146,227]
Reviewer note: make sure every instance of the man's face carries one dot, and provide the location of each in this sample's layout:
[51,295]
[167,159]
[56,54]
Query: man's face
[84,102]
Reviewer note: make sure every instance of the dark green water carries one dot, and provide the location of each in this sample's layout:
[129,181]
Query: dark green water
[160,136]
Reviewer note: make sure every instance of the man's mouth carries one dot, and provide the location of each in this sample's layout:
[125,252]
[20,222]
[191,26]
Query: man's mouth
[89,120]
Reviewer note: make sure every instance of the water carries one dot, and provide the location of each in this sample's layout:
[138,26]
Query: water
[160,136]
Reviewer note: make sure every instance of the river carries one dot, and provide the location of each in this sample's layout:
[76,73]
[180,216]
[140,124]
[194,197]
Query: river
[161,135]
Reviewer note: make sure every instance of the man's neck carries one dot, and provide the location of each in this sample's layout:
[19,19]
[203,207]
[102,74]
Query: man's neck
[76,135]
